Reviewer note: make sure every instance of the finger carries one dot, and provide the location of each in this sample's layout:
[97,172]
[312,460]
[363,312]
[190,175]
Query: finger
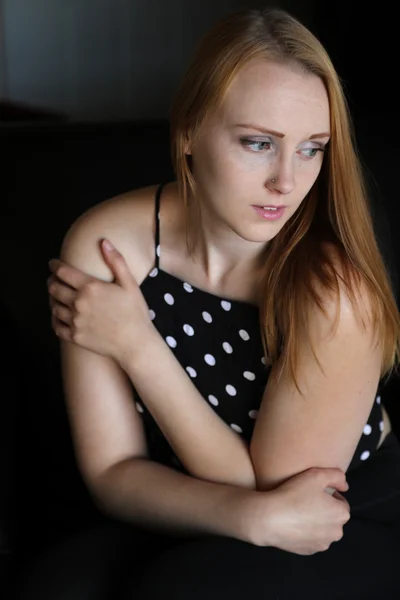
[117,264]
[334,478]
[61,330]
[68,274]
[339,496]
[62,313]
[61,292]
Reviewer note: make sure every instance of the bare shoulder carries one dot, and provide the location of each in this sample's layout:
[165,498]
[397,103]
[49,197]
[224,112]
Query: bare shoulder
[128,221]
[339,308]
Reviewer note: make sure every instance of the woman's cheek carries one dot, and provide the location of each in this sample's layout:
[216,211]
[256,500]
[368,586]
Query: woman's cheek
[247,161]
[307,174]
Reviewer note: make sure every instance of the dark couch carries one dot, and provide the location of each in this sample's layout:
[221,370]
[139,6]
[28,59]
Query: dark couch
[52,173]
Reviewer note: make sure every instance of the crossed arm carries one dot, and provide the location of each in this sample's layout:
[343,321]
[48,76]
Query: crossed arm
[292,433]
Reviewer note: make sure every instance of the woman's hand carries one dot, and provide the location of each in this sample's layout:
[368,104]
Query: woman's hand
[111,319]
[302,515]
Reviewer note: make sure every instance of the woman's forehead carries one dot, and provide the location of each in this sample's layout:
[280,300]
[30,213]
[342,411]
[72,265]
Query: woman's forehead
[265,91]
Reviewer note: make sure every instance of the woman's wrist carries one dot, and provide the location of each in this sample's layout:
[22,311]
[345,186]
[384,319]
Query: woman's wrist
[255,517]
[244,520]
[238,519]
[139,349]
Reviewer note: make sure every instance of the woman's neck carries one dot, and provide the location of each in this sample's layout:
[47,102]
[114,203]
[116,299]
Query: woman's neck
[219,251]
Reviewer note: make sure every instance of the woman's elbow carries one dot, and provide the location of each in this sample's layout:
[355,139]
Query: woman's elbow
[238,474]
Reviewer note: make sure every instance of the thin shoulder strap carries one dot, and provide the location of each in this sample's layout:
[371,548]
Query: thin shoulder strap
[157,235]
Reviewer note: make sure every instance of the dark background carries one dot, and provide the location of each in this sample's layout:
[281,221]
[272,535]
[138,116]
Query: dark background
[85,91]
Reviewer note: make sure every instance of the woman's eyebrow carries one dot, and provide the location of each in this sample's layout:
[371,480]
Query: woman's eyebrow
[278,133]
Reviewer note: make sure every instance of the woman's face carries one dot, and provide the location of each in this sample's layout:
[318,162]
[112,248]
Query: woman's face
[272,125]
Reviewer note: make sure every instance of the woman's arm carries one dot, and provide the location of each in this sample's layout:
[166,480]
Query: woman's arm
[207,447]
[112,455]
[323,428]
[109,438]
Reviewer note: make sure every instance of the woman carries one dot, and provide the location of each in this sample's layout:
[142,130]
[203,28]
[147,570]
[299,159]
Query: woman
[224,337]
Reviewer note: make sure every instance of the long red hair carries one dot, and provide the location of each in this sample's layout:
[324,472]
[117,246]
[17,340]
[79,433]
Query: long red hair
[336,210]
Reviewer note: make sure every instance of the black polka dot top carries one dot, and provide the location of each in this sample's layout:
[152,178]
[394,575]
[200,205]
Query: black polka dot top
[218,343]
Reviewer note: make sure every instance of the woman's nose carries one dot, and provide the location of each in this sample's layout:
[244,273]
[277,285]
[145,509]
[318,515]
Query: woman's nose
[283,180]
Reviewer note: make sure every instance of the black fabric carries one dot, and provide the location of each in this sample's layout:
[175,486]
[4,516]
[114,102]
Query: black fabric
[218,342]
[123,562]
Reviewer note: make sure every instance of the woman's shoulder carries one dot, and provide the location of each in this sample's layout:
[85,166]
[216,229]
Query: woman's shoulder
[127,220]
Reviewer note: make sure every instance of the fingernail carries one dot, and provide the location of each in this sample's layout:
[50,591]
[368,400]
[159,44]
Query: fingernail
[108,245]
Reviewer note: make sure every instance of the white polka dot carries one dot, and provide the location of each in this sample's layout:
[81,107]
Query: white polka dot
[139,407]
[154,272]
[213,400]
[171,341]
[253,414]
[191,371]
[152,314]
[365,455]
[381,425]
[188,287]
[158,251]
[378,399]
[244,335]
[207,317]
[230,390]
[263,360]
[210,360]
[226,305]
[367,429]
[227,347]
[188,329]
[169,299]
[249,375]
[236,428]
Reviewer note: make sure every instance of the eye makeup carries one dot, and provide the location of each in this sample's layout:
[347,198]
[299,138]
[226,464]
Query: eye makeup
[258,146]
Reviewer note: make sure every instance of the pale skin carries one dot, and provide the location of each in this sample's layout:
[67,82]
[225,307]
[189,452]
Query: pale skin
[227,243]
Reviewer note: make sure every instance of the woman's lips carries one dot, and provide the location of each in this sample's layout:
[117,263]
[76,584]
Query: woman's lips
[269,215]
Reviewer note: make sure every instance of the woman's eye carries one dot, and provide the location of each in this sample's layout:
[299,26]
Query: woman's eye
[256,146]
[311,152]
